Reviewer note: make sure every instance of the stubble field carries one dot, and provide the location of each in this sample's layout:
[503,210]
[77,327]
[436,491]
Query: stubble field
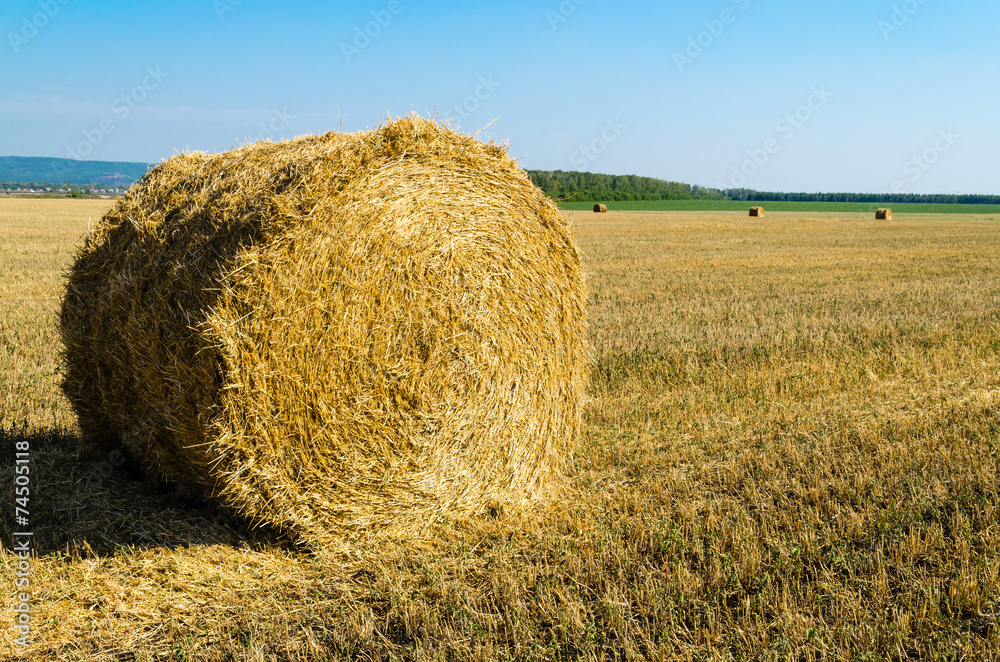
[790,451]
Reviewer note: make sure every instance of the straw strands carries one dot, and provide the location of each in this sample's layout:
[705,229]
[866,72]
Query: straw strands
[335,334]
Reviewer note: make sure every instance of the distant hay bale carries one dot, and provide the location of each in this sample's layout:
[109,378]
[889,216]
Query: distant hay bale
[883,215]
[600,209]
[757,212]
[335,334]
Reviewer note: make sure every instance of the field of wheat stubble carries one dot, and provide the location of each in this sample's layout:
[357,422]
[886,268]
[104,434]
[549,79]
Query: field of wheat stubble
[789,451]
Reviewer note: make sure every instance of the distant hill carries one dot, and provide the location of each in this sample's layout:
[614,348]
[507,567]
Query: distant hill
[25,169]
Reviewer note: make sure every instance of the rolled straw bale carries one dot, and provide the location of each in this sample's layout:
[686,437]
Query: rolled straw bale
[757,212]
[883,215]
[335,333]
[600,209]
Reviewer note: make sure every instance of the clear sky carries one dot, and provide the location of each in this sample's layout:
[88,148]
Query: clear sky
[854,95]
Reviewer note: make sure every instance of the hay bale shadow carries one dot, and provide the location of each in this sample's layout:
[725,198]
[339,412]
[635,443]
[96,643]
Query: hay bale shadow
[91,506]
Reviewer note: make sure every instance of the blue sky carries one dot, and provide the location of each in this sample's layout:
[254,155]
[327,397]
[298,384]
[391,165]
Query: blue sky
[773,95]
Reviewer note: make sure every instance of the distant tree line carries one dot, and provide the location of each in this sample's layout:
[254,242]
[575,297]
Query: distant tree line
[592,187]
[934,198]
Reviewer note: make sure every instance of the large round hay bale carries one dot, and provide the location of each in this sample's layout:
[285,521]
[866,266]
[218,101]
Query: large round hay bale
[600,208]
[883,215]
[757,212]
[337,333]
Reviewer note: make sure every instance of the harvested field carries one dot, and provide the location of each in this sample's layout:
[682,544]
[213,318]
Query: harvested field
[790,451]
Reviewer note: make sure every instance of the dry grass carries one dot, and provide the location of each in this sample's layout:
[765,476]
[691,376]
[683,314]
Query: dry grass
[791,453]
